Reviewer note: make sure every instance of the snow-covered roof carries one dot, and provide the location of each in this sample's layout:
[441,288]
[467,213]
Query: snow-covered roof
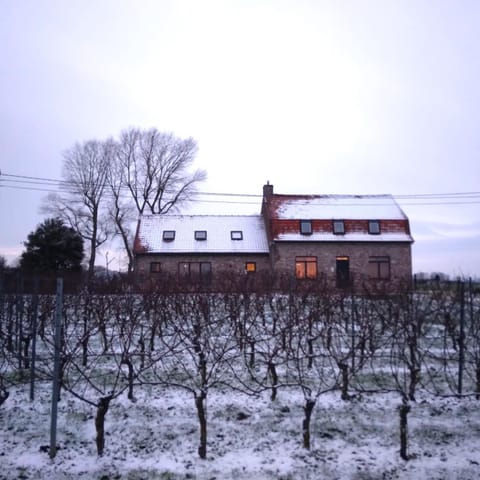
[351,207]
[218,228]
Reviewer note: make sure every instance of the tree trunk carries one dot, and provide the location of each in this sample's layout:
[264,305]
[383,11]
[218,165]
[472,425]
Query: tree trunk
[153,331]
[91,261]
[3,395]
[477,385]
[308,409]
[102,328]
[85,341]
[202,418]
[141,343]
[404,410]
[251,363]
[273,373]
[310,344]
[126,361]
[26,345]
[345,381]
[414,379]
[102,409]
[126,245]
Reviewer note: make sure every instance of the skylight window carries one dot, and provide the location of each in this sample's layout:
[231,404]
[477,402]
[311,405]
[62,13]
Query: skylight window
[306,227]
[168,235]
[200,234]
[236,235]
[374,227]
[338,227]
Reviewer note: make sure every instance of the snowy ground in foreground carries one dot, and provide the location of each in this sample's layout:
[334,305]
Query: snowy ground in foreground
[157,438]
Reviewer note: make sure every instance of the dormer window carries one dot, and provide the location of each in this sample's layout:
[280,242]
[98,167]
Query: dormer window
[168,235]
[236,235]
[373,227]
[338,227]
[306,227]
[200,234]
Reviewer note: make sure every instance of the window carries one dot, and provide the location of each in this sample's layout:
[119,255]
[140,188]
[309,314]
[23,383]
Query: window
[343,271]
[155,267]
[168,235]
[205,272]
[195,272]
[338,227]
[200,234]
[306,227]
[250,267]
[236,235]
[379,268]
[373,227]
[306,267]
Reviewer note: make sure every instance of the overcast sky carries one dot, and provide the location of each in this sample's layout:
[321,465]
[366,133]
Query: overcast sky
[359,97]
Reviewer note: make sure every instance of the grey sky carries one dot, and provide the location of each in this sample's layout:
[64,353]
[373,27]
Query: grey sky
[315,96]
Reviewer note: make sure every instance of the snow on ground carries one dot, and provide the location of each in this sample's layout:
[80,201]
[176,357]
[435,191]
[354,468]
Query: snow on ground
[249,438]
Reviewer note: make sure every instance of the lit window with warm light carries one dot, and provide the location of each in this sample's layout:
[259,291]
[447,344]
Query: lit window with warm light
[250,267]
[306,267]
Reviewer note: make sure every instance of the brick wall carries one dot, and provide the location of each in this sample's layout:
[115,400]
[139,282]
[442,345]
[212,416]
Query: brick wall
[279,226]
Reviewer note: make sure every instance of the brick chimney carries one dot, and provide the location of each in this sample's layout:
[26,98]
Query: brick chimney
[267,193]
[267,190]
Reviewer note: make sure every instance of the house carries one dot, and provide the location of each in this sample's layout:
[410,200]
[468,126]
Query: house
[346,241]
[359,242]
[200,249]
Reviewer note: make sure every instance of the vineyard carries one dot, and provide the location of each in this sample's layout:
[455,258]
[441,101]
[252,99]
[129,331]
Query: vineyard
[296,384]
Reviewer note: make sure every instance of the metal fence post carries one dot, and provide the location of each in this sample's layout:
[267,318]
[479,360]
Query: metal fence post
[34,339]
[56,367]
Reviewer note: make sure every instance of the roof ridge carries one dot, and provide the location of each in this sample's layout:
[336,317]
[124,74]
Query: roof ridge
[334,195]
[179,215]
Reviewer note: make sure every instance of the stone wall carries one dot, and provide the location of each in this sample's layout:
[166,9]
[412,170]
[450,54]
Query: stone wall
[226,268]
[229,269]
[283,259]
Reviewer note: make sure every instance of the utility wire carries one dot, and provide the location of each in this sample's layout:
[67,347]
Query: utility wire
[32,183]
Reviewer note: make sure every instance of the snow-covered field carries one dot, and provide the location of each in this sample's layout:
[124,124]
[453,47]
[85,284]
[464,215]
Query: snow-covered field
[249,438]
[223,349]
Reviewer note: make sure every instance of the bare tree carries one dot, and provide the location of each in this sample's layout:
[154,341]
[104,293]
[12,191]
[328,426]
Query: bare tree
[155,169]
[80,203]
[195,352]
[121,209]
[113,336]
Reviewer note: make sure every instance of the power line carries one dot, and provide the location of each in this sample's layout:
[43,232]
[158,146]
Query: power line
[32,183]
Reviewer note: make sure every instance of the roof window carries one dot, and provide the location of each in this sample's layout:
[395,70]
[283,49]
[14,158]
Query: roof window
[306,227]
[373,227]
[236,235]
[200,234]
[338,227]
[168,235]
